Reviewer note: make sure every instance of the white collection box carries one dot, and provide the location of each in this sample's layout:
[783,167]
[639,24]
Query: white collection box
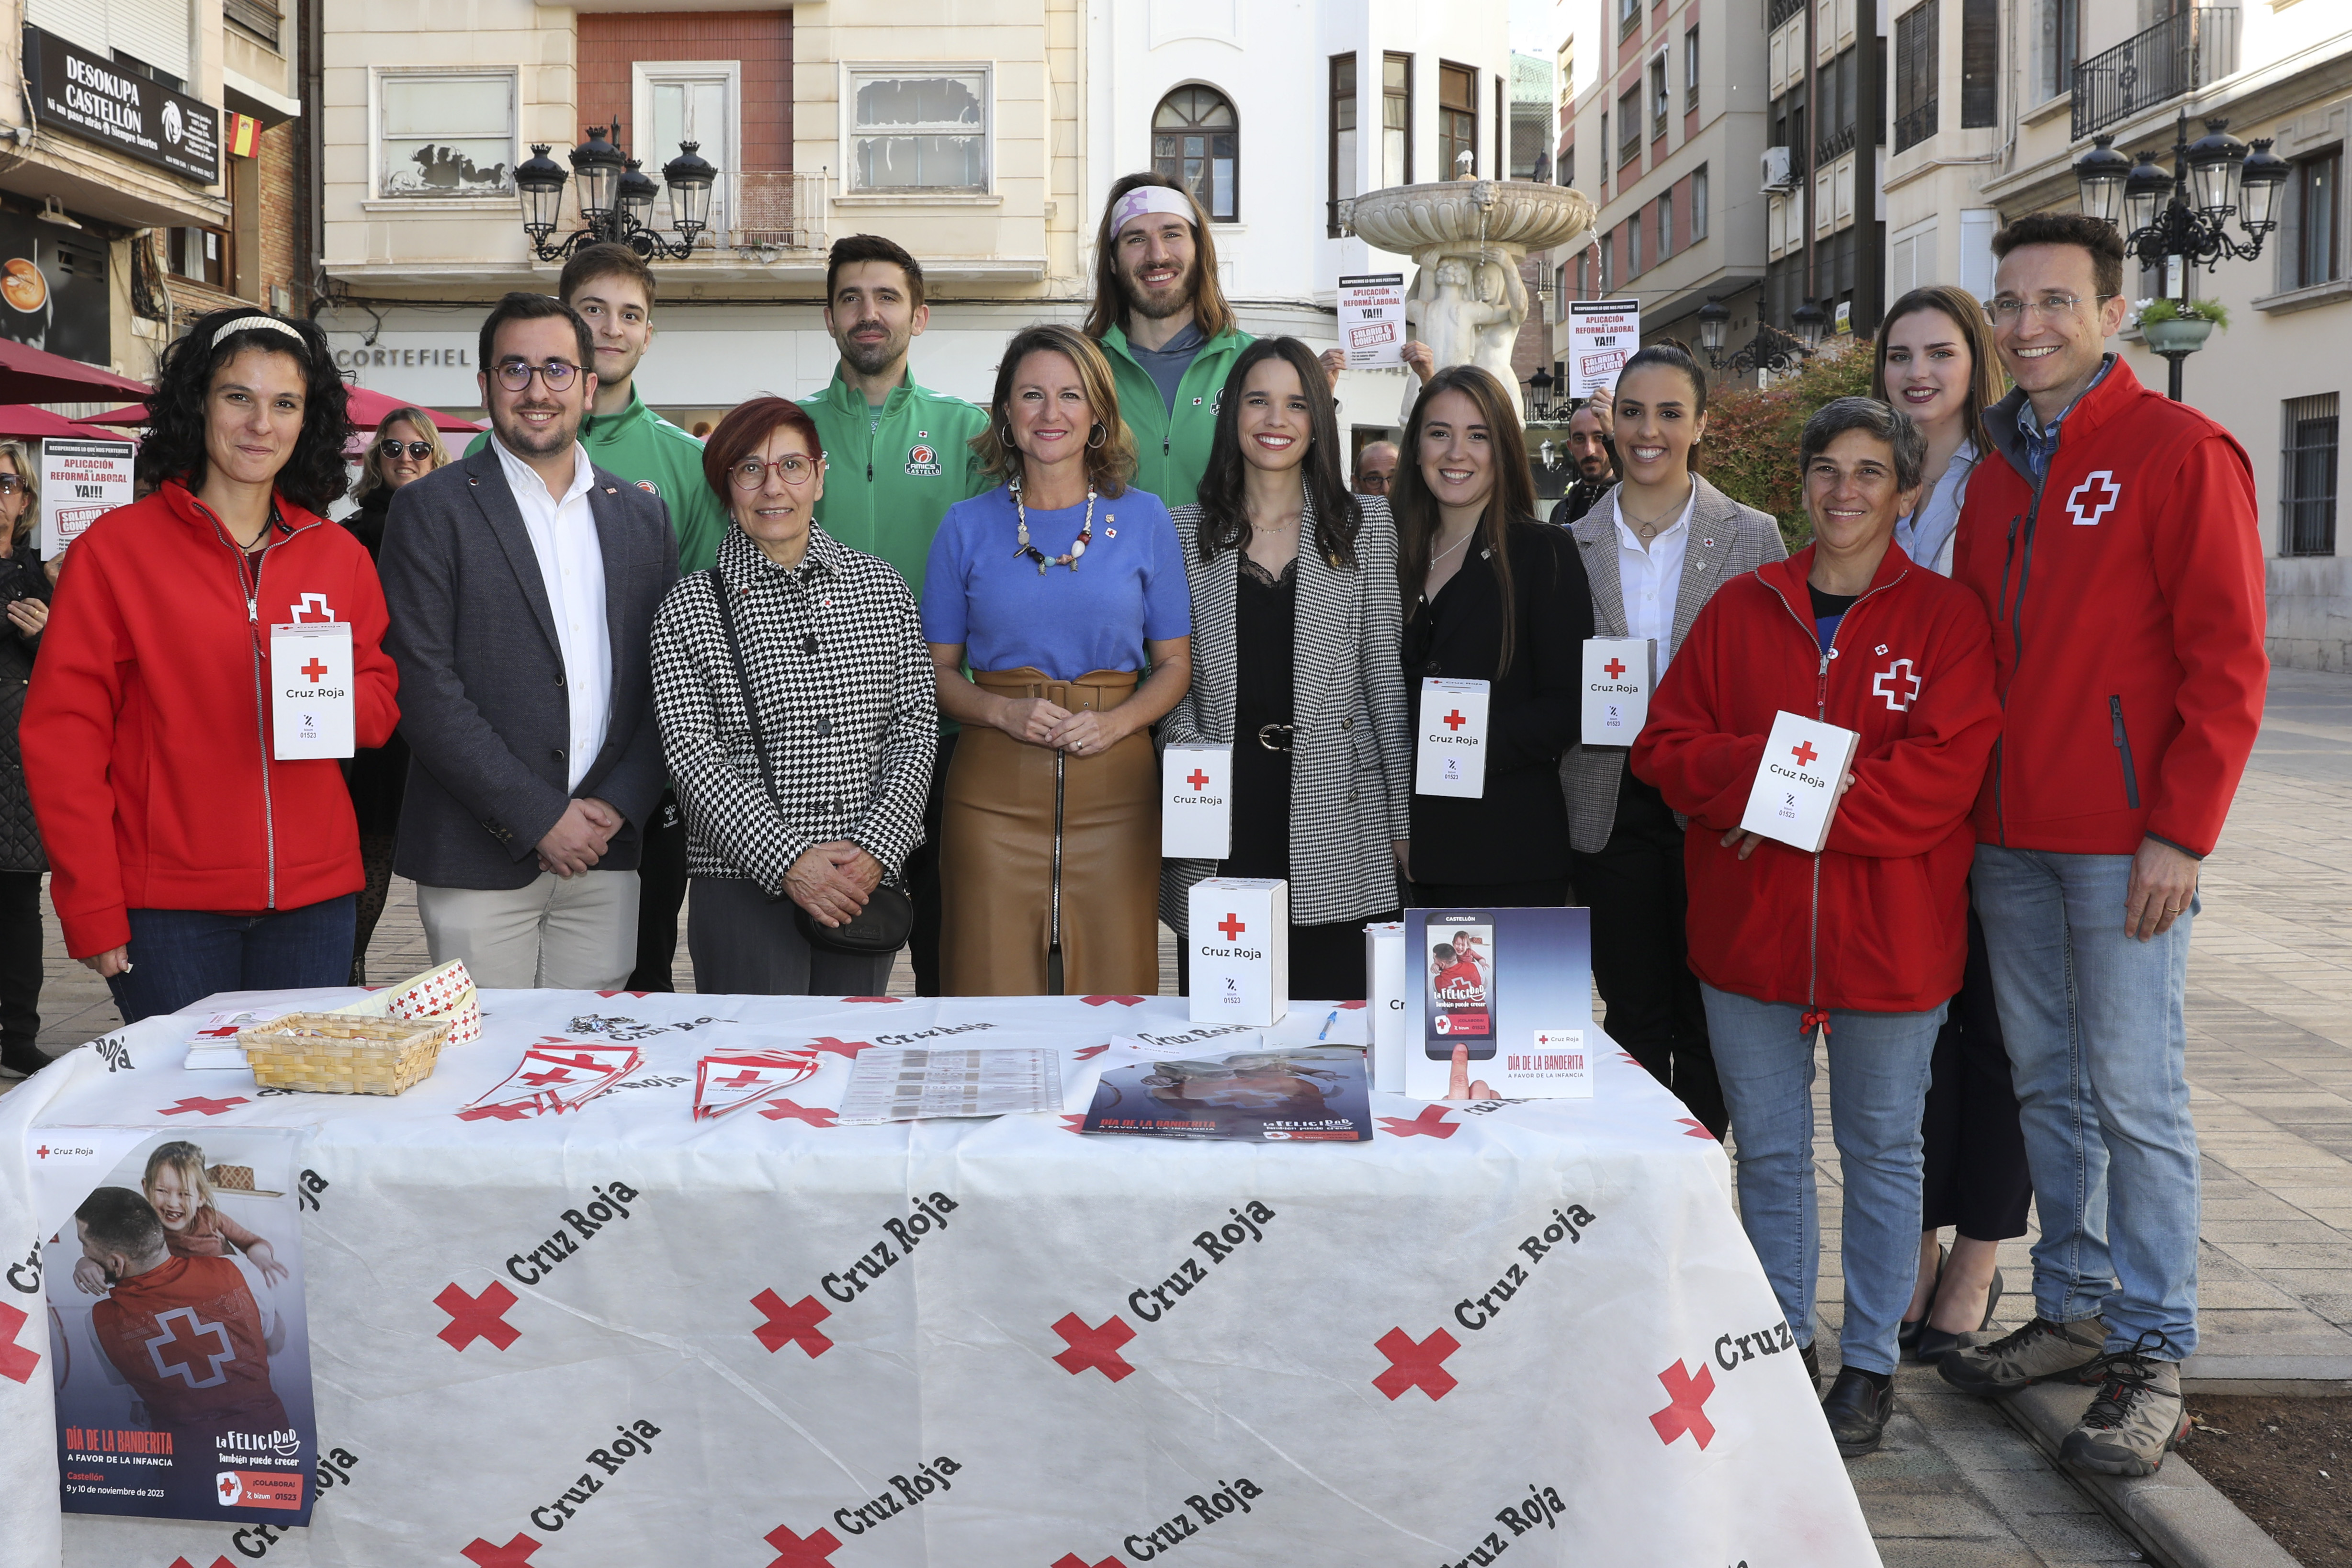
[1196,802]
[1795,796]
[1450,757]
[1240,937]
[1620,674]
[1384,963]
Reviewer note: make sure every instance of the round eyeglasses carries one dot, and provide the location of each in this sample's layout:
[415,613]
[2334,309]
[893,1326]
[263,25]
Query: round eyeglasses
[515,375]
[792,468]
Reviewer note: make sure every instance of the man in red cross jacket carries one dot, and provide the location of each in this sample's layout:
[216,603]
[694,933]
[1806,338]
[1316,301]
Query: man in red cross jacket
[2111,536]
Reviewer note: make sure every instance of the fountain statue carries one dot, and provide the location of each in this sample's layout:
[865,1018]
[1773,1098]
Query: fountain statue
[1468,238]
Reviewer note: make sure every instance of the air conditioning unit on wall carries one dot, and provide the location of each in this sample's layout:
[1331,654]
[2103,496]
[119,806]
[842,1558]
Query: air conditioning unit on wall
[1777,181]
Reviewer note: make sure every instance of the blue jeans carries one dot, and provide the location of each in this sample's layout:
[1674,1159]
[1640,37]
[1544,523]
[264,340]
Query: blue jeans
[1878,1088]
[183,956]
[2098,1041]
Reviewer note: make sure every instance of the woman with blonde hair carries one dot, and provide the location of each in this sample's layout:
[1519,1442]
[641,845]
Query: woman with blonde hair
[25,589]
[405,447]
[1063,591]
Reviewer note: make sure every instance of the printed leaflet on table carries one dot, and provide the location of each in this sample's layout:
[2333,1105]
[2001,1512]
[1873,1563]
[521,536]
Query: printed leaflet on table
[1512,988]
[1313,1093]
[911,1084]
[729,1081]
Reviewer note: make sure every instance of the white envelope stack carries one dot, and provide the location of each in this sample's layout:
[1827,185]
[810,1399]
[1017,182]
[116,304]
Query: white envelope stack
[1196,802]
[1620,674]
[1795,796]
[1241,950]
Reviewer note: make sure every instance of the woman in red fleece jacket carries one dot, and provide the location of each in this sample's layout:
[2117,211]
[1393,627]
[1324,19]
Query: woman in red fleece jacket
[186,857]
[1866,939]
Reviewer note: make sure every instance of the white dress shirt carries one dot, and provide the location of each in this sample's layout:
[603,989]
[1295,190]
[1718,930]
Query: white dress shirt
[1650,579]
[571,564]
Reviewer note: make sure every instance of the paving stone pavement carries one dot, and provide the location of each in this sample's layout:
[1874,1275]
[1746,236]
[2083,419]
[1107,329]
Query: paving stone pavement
[2270,1066]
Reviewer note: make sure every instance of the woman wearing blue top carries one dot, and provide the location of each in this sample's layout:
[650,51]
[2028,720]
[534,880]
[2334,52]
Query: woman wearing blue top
[1058,588]
[1936,362]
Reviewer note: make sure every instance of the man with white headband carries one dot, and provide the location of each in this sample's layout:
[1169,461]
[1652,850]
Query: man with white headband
[1163,321]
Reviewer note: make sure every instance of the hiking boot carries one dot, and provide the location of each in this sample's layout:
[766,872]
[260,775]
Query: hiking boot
[2039,1350]
[2134,1419]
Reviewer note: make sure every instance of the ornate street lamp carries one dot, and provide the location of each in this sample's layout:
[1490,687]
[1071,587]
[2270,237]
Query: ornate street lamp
[1769,349]
[1812,325]
[1712,320]
[617,199]
[1540,385]
[2186,213]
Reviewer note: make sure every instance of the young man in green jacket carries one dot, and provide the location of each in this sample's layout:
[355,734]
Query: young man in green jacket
[1162,319]
[898,455]
[613,289]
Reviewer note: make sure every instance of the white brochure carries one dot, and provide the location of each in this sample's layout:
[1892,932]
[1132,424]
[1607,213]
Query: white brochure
[311,701]
[1450,756]
[1620,673]
[1196,802]
[1794,799]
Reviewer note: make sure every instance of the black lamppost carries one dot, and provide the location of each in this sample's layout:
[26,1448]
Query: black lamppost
[1540,385]
[1771,349]
[2186,213]
[617,199]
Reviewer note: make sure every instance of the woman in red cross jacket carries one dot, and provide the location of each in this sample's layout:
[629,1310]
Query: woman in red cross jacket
[1865,940]
[190,852]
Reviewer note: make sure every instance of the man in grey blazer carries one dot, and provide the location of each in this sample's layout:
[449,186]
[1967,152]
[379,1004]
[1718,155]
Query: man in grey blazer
[522,583]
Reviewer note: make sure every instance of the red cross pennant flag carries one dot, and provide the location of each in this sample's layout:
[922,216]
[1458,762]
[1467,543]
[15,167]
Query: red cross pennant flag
[554,1076]
[729,1081]
[1196,802]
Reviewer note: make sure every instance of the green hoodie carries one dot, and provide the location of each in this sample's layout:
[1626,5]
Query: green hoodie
[887,485]
[656,455]
[1172,452]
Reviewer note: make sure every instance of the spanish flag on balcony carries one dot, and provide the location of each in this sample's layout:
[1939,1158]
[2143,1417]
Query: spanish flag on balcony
[243,135]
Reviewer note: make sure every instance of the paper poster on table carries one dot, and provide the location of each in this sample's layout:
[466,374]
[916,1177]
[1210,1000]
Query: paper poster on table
[1510,987]
[81,482]
[1602,336]
[173,1275]
[1372,320]
[1313,1093]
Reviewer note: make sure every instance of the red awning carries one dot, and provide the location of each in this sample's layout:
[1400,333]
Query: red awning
[35,375]
[23,421]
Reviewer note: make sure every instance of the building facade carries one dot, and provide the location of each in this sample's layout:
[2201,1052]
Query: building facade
[153,171]
[983,136]
[1993,102]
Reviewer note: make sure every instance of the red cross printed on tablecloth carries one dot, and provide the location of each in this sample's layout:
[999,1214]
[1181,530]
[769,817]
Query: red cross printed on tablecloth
[1615,667]
[1097,1348]
[1804,753]
[1411,1363]
[795,1325]
[477,1317]
[1089,1052]
[1431,1122]
[802,1551]
[1197,779]
[814,1115]
[315,670]
[217,1562]
[16,1363]
[1687,1409]
[1122,1001]
[1691,1128]
[1072,1560]
[515,1553]
[849,1048]
[198,1102]
[873,998]
[608,996]
[495,1113]
[1232,925]
[1454,720]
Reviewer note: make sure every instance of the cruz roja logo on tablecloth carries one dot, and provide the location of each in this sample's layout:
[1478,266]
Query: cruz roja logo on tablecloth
[632,1440]
[1204,1508]
[1541,1507]
[1098,1347]
[1421,1363]
[610,1203]
[797,1323]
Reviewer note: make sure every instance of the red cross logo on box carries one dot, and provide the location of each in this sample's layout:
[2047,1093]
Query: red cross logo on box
[795,1325]
[16,1363]
[1889,683]
[1412,1364]
[477,1317]
[1686,1406]
[1454,720]
[515,1553]
[1232,925]
[1615,667]
[814,1551]
[1804,753]
[315,670]
[1097,1348]
[186,1339]
[1197,779]
[2094,497]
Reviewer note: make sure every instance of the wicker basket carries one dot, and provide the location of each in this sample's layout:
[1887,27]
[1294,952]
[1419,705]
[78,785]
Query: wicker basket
[343,1053]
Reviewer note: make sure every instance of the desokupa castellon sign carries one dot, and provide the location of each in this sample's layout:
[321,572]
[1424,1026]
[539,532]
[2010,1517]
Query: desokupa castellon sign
[136,115]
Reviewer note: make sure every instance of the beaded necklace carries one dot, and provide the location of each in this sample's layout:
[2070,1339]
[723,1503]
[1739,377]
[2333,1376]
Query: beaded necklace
[1085,532]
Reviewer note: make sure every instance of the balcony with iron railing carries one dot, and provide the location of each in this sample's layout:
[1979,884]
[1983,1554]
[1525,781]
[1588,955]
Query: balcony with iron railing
[1834,145]
[1780,12]
[1911,129]
[2177,56]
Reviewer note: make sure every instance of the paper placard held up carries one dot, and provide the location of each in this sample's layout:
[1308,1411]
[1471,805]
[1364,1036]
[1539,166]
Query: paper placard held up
[1450,758]
[1196,802]
[1620,673]
[1795,796]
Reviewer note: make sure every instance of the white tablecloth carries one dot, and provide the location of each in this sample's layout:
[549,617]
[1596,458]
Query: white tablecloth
[1406,1357]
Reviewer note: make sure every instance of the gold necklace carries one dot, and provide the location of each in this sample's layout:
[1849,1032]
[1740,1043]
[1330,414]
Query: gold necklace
[1648,529]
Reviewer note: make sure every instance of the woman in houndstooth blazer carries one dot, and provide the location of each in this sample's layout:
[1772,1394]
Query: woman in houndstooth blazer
[1295,625]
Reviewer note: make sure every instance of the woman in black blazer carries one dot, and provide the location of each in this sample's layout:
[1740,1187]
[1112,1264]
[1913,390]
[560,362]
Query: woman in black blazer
[1489,594]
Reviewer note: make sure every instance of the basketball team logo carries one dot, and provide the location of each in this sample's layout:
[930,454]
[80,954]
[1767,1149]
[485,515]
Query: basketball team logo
[922,463]
[649,488]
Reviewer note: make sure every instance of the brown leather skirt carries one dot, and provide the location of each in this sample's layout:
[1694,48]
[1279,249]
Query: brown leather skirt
[1040,848]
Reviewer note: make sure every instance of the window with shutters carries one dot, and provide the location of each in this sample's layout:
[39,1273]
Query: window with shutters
[921,129]
[1690,70]
[1698,205]
[1396,119]
[258,18]
[150,36]
[2308,447]
[1629,124]
[1343,138]
[1916,77]
[2312,248]
[445,133]
[1665,224]
[1457,121]
[1979,63]
[677,101]
[1196,142]
[1659,96]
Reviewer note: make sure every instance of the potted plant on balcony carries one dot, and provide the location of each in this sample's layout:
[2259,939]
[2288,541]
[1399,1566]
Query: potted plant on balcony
[2178,326]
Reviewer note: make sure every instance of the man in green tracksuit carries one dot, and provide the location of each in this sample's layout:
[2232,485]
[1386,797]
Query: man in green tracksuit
[1164,322]
[896,456]
[613,289]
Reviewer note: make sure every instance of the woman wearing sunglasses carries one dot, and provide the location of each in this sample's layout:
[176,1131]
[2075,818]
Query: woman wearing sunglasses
[797,718]
[407,446]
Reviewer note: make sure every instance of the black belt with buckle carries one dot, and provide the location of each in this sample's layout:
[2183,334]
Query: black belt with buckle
[1275,736]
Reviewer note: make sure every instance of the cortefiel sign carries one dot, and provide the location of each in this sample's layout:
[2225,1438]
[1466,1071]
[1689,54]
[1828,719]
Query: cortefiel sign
[135,115]
[1618,674]
[1241,950]
[81,482]
[1795,796]
[1602,336]
[1372,320]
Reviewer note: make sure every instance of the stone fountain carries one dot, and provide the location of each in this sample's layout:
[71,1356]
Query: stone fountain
[1467,237]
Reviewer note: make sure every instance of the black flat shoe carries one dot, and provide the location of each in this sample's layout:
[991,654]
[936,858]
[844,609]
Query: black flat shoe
[1857,1410]
[1937,1344]
[1907,1331]
[1813,1360]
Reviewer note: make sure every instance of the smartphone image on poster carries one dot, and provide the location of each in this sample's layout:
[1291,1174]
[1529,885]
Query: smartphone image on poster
[1460,986]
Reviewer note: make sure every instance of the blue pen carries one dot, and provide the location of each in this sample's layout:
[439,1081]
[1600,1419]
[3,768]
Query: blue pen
[1324,1032]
